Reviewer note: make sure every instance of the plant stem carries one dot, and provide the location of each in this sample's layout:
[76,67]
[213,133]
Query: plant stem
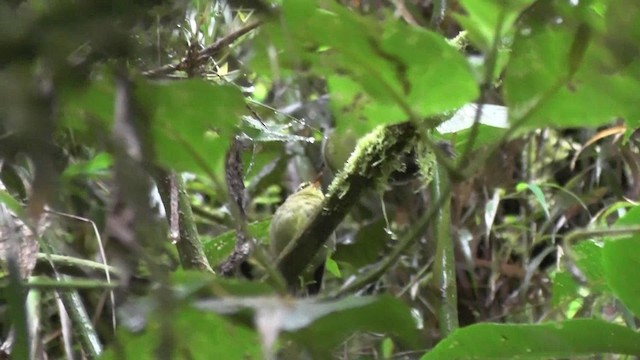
[444,272]
[82,322]
[69,283]
[69,261]
[189,247]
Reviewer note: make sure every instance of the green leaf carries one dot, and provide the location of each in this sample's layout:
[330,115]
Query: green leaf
[383,314]
[83,107]
[197,335]
[387,69]
[537,192]
[435,77]
[630,218]
[623,36]
[589,260]
[387,348]
[355,110]
[369,242]
[91,168]
[564,289]
[621,259]
[483,18]
[194,121]
[548,84]
[218,248]
[12,204]
[565,339]
[332,267]
[322,325]
[537,67]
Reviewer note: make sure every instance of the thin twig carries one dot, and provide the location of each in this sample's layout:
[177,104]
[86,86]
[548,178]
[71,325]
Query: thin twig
[203,54]
[72,301]
[439,11]
[66,283]
[103,256]
[489,69]
[62,260]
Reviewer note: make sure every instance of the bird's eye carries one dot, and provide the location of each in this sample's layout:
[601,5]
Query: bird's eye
[304,185]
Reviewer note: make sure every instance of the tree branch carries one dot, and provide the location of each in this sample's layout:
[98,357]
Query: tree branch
[203,54]
[188,244]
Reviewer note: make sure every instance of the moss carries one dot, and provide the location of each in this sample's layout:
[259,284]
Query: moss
[459,42]
[373,158]
[426,162]
[426,157]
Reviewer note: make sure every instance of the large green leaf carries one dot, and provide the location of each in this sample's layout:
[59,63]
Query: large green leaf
[194,121]
[559,76]
[433,75]
[197,335]
[387,69]
[589,259]
[621,259]
[368,245]
[564,289]
[622,37]
[321,325]
[483,17]
[383,314]
[566,339]
[355,110]
[85,107]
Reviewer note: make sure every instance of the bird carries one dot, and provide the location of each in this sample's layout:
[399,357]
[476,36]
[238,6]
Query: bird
[288,223]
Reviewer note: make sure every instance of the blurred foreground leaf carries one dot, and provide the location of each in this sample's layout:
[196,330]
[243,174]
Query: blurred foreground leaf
[321,325]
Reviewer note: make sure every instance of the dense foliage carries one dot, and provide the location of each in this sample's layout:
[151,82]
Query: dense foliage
[479,160]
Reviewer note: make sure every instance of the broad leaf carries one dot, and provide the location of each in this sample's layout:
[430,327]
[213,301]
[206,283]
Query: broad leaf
[217,249]
[484,17]
[320,325]
[388,70]
[565,339]
[621,259]
[196,335]
[193,123]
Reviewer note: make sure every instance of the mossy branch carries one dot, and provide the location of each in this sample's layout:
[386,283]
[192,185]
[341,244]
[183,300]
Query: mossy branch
[376,156]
